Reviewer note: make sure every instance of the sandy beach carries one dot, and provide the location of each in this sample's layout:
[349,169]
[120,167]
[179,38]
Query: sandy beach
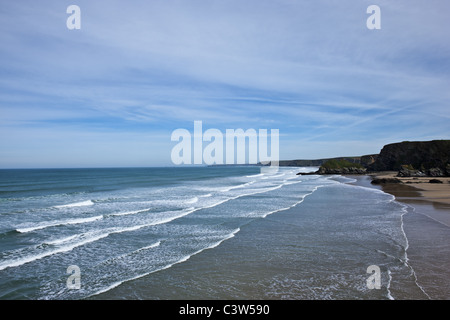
[426,228]
[417,188]
[431,198]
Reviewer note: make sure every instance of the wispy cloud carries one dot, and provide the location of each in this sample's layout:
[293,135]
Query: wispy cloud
[143,68]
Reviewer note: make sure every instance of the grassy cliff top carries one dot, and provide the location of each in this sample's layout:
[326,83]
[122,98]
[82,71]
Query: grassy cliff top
[339,164]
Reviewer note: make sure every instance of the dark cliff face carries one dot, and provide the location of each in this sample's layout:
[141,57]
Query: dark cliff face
[363,160]
[368,160]
[421,155]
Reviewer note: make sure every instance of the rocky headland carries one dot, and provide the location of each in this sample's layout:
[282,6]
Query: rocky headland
[408,159]
[400,168]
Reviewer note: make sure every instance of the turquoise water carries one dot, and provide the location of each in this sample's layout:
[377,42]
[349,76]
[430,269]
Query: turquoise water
[199,233]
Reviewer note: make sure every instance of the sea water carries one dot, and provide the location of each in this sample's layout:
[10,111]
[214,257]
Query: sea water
[228,232]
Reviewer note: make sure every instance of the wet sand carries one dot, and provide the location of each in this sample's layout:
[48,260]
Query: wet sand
[419,192]
[427,227]
[418,187]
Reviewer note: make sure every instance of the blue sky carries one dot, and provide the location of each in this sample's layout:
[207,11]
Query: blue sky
[111,93]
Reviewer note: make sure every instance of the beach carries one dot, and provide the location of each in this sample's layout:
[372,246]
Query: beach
[418,188]
[418,191]
[426,226]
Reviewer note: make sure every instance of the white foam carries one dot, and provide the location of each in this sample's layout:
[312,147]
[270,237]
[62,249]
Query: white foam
[154,245]
[181,260]
[286,183]
[58,223]
[128,212]
[277,176]
[239,196]
[258,191]
[388,286]
[405,211]
[193,200]
[255,175]
[66,248]
[97,236]
[62,240]
[293,205]
[238,186]
[405,259]
[153,223]
[229,236]
[76,204]
[206,195]
[118,283]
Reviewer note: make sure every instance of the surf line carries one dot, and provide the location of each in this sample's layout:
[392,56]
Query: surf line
[59,223]
[406,259]
[170,265]
[75,204]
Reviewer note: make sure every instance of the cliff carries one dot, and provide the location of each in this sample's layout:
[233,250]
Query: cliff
[363,160]
[410,159]
[414,158]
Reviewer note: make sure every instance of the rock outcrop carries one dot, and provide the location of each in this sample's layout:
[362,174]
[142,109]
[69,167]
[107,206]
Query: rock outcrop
[428,157]
[409,171]
[385,180]
[345,170]
[339,166]
[410,159]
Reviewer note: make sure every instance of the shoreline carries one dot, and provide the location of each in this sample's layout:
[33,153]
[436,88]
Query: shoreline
[416,188]
[426,227]
[430,199]
[287,255]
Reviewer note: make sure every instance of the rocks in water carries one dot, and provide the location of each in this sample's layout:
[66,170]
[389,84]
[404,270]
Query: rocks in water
[435,181]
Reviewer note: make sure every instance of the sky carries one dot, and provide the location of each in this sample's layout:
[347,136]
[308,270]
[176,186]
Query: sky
[111,93]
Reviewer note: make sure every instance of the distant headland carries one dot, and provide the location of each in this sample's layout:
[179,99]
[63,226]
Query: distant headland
[408,158]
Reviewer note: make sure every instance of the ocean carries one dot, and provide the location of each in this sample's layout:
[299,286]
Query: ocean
[229,232]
